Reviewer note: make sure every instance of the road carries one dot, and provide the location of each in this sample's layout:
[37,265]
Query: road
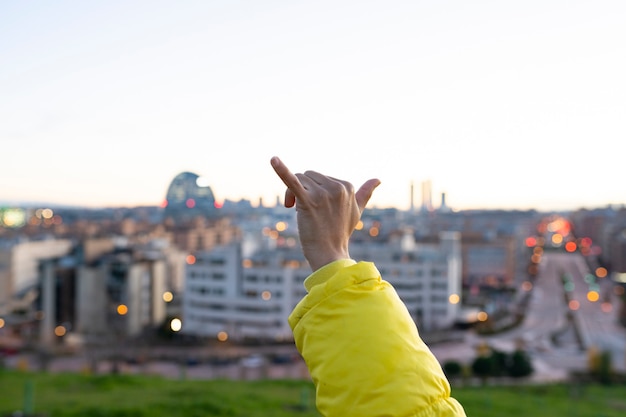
[549,330]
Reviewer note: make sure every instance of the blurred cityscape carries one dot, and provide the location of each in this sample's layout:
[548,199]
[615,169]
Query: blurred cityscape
[210,285]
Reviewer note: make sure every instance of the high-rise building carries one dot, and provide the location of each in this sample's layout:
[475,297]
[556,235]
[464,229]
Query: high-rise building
[188,197]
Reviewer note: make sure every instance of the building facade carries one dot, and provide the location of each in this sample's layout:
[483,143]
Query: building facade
[229,295]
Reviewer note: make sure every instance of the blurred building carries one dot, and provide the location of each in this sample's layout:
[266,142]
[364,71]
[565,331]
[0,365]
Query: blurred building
[201,234]
[188,197]
[228,294]
[426,274]
[19,262]
[488,262]
[95,298]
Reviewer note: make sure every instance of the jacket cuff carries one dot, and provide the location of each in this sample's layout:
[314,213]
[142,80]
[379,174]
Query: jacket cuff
[324,273]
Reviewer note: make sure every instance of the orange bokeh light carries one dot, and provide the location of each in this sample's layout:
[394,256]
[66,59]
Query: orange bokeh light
[60,331]
[601,272]
[593,296]
[570,246]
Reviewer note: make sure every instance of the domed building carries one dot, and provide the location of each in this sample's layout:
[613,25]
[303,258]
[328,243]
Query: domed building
[187,198]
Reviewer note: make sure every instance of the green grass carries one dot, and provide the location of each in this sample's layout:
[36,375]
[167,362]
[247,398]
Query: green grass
[71,395]
[544,400]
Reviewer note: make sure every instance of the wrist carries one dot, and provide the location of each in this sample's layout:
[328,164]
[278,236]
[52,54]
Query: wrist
[317,259]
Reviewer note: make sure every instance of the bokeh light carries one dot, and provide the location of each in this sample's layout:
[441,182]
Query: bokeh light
[176,324]
[570,246]
[593,296]
[60,331]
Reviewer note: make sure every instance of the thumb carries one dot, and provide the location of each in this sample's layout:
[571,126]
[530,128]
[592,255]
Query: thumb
[364,193]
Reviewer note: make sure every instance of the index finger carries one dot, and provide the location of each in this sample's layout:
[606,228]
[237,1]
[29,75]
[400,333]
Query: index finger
[289,179]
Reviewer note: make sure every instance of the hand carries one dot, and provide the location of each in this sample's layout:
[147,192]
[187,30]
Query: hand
[328,211]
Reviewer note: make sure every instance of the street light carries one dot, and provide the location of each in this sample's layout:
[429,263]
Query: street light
[122,309]
[176,324]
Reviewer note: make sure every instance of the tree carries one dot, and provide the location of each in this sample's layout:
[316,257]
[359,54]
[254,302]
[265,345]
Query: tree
[452,369]
[482,366]
[520,364]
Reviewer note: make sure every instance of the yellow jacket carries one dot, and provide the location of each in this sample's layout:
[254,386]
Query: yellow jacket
[363,349]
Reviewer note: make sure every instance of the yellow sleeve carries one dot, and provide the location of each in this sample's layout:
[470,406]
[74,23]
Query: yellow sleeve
[363,349]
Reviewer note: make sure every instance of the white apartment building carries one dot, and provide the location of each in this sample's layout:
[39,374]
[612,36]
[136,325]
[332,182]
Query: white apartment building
[426,276]
[230,295]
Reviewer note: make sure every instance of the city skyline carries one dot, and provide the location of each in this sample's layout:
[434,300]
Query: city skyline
[502,106]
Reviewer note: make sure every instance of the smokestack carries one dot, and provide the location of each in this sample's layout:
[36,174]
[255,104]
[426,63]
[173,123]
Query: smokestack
[427,204]
[444,206]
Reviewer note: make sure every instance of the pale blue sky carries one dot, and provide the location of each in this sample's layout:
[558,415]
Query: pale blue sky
[501,104]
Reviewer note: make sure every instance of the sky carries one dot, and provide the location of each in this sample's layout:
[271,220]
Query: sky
[499,104]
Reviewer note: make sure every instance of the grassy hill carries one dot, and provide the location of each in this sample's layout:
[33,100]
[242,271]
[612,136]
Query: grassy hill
[72,395]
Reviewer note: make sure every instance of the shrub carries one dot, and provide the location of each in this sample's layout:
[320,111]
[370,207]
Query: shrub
[452,369]
[519,365]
